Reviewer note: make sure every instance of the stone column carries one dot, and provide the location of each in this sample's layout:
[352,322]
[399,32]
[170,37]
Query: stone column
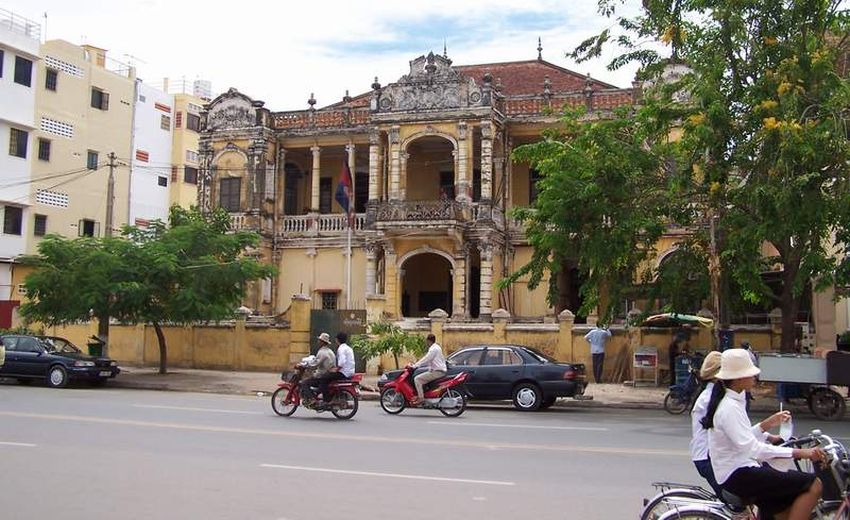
[564,350]
[508,172]
[374,165]
[402,189]
[462,173]
[460,306]
[486,161]
[395,163]
[317,173]
[205,180]
[371,268]
[486,249]
[391,280]
[280,188]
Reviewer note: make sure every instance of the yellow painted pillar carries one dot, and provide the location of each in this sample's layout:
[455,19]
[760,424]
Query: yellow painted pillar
[391,281]
[299,327]
[316,175]
[566,320]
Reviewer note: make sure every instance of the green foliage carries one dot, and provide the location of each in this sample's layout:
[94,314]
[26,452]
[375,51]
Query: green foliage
[765,129]
[604,199]
[388,338]
[191,270]
[682,280]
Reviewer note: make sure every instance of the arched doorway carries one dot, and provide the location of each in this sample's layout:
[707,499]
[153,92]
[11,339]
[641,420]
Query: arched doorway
[426,285]
[430,169]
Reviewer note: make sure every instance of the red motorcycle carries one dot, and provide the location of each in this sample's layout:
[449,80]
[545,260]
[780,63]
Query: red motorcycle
[344,395]
[446,394]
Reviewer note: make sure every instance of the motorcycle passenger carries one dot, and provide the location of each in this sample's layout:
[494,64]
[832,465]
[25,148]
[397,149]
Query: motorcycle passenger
[436,364]
[344,368]
[737,453]
[325,363]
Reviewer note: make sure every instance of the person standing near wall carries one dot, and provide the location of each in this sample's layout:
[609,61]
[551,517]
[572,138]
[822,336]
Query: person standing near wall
[597,338]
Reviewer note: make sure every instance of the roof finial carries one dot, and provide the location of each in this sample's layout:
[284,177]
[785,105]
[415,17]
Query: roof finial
[539,49]
[445,52]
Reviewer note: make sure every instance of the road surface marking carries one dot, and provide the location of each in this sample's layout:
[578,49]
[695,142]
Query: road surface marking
[193,409]
[354,438]
[529,426]
[391,475]
[20,444]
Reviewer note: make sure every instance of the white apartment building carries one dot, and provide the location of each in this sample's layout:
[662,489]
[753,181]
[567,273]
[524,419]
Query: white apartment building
[150,175]
[19,54]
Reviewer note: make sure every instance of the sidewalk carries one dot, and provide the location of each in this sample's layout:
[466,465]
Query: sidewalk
[252,383]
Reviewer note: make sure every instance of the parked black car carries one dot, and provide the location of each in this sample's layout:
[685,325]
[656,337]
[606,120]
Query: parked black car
[528,377]
[56,360]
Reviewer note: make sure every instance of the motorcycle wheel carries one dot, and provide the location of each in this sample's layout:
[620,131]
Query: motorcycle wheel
[344,405]
[674,404]
[392,401]
[451,393]
[826,404]
[279,404]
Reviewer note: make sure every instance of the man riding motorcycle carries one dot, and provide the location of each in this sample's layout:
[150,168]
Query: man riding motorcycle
[324,372]
[436,364]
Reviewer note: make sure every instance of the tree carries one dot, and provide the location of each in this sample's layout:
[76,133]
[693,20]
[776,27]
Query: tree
[603,201]
[388,338]
[192,270]
[76,279]
[766,133]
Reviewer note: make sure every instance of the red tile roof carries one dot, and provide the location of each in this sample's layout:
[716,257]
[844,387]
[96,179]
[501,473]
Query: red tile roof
[526,77]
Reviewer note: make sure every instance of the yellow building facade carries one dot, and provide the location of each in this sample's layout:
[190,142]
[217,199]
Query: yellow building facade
[184,153]
[433,183]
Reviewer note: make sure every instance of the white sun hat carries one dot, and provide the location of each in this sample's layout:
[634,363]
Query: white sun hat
[735,363]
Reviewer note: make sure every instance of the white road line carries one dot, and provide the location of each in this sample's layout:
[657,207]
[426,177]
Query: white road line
[193,409]
[19,444]
[391,475]
[528,426]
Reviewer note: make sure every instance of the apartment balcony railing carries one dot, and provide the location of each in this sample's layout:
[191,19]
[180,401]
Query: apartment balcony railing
[420,211]
[239,222]
[19,24]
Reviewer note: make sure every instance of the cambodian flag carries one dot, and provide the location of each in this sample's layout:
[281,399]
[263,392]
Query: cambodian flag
[343,191]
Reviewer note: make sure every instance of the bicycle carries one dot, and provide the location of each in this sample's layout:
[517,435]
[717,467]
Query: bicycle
[682,396]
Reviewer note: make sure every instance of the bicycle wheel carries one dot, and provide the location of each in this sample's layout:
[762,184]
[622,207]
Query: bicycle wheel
[694,513]
[661,502]
[675,404]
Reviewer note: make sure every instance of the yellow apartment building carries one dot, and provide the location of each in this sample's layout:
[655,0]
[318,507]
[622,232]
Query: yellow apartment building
[184,153]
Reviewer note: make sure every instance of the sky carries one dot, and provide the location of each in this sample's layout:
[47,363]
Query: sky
[281,52]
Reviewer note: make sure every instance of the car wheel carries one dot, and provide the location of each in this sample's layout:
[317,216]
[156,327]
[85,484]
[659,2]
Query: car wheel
[548,402]
[57,377]
[527,397]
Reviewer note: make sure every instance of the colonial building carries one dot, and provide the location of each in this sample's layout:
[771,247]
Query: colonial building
[432,184]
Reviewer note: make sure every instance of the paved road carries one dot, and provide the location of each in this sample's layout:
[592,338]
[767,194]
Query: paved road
[107,453]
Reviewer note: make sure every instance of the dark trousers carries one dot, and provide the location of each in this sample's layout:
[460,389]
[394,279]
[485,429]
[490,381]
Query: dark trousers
[325,381]
[707,472]
[598,362]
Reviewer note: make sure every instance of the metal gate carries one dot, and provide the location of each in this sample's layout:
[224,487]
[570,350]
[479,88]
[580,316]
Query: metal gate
[334,321]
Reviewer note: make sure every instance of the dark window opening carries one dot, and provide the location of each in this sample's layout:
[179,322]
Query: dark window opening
[23,71]
[447,185]
[43,150]
[50,79]
[91,160]
[330,300]
[13,218]
[190,175]
[476,185]
[99,99]
[18,143]
[361,191]
[193,122]
[40,228]
[88,228]
[229,194]
[325,194]
[291,176]
[162,181]
[533,177]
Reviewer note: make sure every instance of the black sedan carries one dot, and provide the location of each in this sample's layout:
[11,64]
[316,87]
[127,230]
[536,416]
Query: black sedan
[531,379]
[55,360]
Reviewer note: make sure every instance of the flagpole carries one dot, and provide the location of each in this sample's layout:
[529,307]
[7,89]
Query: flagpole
[348,267]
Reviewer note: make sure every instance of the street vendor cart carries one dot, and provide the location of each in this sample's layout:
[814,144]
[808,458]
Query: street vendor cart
[815,379]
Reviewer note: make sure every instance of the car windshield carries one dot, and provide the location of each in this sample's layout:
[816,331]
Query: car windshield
[59,345]
[540,356]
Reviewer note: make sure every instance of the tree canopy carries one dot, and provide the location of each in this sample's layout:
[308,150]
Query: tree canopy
[193,269]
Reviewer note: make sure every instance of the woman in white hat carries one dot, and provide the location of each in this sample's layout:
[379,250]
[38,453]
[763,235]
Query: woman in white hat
[737,453]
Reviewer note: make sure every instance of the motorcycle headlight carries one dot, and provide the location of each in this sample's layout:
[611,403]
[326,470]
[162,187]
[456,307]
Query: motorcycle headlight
[83,363]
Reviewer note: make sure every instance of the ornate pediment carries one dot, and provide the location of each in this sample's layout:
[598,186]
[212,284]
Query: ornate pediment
[231,110]
[432,84]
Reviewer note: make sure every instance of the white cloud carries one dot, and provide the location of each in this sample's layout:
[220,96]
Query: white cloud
[281,52]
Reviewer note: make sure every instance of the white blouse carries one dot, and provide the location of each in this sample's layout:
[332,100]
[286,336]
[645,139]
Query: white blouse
[699,435]
[732,443]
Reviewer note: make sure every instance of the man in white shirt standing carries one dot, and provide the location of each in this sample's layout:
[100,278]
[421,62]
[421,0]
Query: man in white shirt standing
[436,364]
[344,357]
[597,338]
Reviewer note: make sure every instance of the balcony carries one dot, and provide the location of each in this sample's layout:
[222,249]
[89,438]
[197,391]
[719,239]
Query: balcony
[322,225]
[396,212]
[20,25]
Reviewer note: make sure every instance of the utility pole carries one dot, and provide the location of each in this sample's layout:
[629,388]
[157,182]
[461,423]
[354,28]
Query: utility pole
[110,195]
